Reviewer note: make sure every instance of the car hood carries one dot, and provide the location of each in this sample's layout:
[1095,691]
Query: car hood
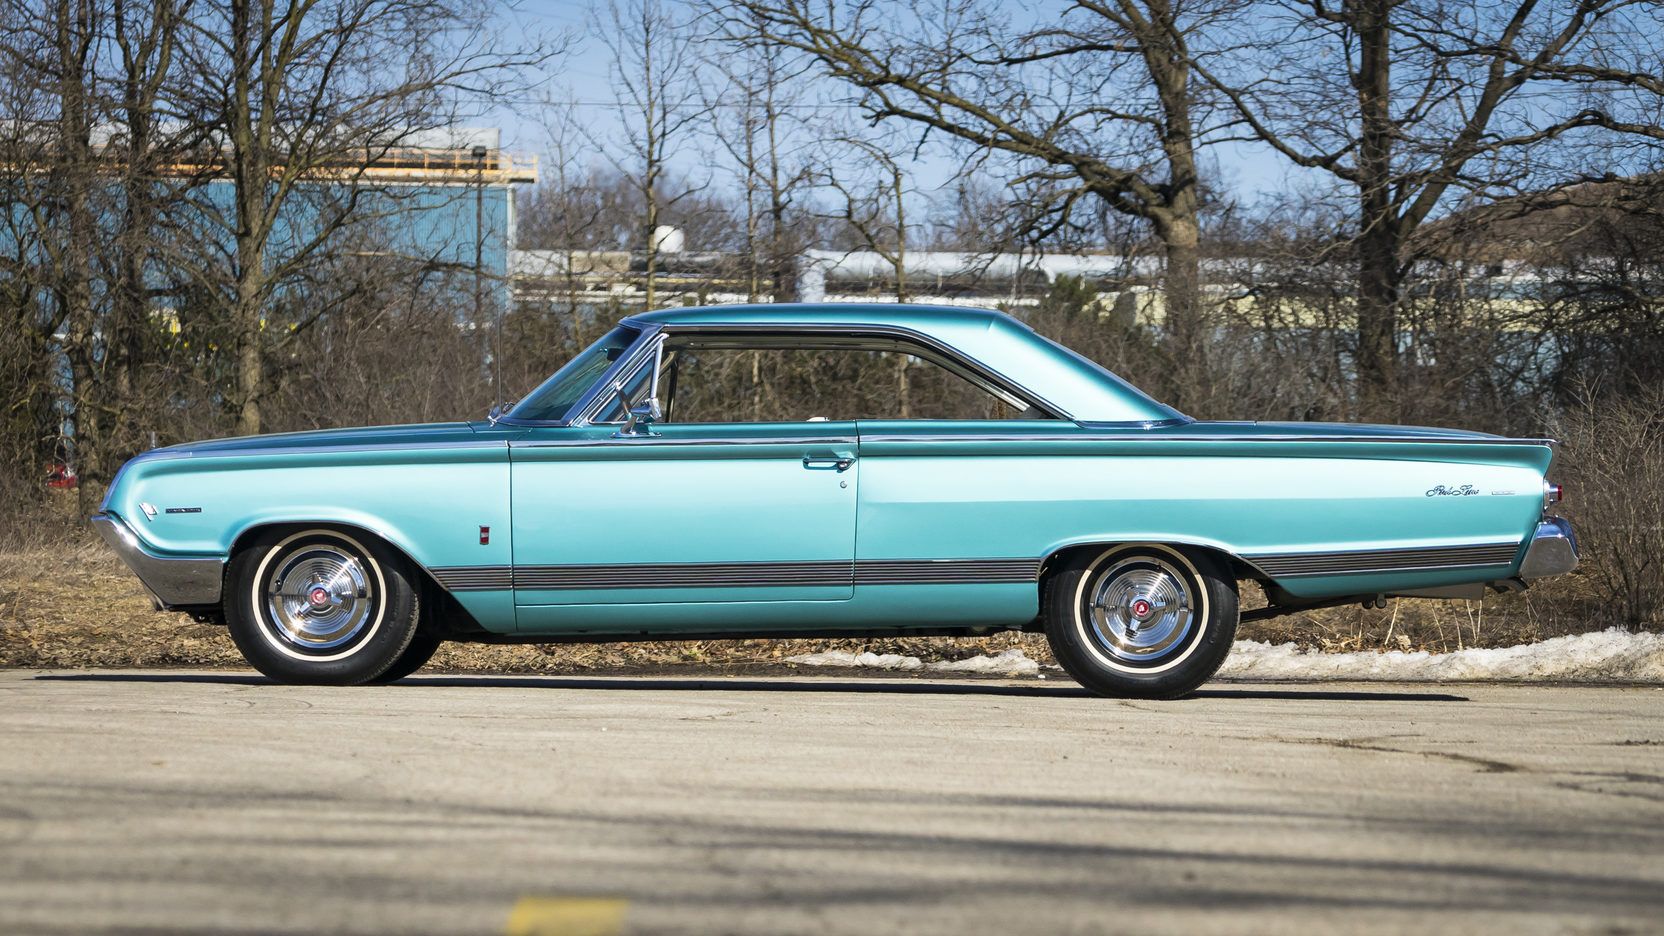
[414,436]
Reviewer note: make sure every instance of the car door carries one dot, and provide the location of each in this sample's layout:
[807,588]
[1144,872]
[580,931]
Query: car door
[686,515]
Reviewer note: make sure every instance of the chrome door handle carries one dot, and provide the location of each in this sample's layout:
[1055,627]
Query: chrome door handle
[822,462]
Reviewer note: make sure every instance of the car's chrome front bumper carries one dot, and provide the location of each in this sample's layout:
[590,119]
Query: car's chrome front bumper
[1553,550]
[173,581]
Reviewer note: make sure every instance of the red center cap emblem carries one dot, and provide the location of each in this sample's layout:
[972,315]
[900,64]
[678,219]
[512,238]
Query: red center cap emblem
[319,597]
[1141,607]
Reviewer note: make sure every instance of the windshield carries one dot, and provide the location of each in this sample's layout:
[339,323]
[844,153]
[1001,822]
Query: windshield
[555,396]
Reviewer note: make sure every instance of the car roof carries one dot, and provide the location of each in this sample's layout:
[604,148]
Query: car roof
[912,315]
[1060,379]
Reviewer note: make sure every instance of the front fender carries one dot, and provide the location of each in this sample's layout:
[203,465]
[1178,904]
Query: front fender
[430,504]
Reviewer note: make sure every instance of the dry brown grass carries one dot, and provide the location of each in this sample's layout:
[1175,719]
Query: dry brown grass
[66,601]
[73,604]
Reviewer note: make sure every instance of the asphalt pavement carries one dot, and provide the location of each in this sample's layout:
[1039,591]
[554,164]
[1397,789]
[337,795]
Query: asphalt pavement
[197,802]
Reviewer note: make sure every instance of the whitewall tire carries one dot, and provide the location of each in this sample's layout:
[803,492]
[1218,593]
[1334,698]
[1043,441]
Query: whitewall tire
[320,606]
[1141,619]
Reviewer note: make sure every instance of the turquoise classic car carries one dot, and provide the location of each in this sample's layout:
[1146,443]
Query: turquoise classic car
[628,498]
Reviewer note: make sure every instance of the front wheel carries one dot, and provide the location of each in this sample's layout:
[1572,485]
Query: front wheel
[422,648]
[321,607]
[1142,620]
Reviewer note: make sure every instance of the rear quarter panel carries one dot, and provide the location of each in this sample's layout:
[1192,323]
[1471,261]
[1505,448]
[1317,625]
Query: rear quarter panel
[995,490]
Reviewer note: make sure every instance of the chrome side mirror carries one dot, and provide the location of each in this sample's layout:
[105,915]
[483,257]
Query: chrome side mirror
[642,416]
[498,410]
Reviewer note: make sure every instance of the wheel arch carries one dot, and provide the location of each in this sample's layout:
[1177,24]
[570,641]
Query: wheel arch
[1062,554]
[438,606]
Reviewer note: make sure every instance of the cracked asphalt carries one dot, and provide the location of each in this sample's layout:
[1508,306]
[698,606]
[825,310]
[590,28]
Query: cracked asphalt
[185,802]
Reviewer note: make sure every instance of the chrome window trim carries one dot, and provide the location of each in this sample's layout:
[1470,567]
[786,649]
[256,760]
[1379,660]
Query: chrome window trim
[590,406]
[976,371]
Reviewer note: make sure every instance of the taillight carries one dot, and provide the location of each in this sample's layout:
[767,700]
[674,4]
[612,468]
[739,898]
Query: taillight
[1552,494]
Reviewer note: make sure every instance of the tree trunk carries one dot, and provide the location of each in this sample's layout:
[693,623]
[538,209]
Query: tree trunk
[76,182]
[1378,247]
[1185,347]
[251,374]
[250,126]
[1378,288]
[652,243]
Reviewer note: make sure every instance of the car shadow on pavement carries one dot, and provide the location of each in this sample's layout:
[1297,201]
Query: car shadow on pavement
[876,686]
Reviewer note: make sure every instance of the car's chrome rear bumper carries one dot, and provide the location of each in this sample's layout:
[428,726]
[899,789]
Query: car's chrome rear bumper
[1553,550]
[173,581]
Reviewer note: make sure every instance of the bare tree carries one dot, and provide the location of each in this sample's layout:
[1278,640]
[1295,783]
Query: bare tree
[33,320]
[1096,102]
[297,91]
[753,123]
[873,207]
[145,36]
[653,69]
[70,31]
[872,192]
[1408,102]
[569,214]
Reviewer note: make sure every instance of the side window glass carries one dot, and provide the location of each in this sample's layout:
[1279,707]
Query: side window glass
[726,385]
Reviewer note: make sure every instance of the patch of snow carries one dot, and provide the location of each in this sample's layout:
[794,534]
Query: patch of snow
[1012,662]
[1606,656]
[889,661]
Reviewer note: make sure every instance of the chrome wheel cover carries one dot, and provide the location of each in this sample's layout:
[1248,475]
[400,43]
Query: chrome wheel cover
[1141,609]
[319,597]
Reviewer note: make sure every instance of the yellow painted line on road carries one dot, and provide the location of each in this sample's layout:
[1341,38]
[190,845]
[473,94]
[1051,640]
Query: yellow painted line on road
[567,916]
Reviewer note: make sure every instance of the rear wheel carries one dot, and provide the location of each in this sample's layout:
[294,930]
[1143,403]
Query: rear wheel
[321,607]
[1142,620]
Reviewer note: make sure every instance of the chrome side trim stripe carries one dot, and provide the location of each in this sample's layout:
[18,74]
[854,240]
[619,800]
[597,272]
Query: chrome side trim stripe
[1156,436]
[474,578]
[1289,565]
[805,574]
[835,573]
[685,575]
[676,441]
[945,571]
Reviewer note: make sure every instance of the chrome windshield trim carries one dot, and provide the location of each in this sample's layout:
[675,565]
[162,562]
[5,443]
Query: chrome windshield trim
[175,581]
[640,355]
[645,333]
